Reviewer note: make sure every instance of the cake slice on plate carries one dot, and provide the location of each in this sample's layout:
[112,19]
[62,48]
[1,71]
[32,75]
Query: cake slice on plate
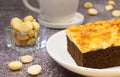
[96,44]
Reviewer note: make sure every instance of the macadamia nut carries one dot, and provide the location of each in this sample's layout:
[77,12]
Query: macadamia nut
[26,59]
[28,18]
[116,13]
[34,69]
[88,5]
[108,7]
[92,11]
[36,25]
[112,3]
[15,20]
[15,65]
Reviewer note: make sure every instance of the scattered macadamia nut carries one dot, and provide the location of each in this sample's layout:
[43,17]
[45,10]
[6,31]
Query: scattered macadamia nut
[88,5]
[34,69]
[108,7]
[26,59]
[92,11]
[111,2]
[15,65]
[116,13]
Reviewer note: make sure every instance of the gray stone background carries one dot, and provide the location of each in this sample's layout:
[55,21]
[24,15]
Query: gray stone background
[12,8]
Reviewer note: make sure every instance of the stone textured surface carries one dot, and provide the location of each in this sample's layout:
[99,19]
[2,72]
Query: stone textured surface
[12,8]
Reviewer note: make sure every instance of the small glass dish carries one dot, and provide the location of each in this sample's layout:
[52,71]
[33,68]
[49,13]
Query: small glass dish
[23,41]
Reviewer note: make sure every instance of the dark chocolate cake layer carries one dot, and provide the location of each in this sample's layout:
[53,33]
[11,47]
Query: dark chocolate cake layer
[101,58]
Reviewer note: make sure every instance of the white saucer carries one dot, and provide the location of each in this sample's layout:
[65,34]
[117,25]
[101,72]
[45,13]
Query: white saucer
[77,20]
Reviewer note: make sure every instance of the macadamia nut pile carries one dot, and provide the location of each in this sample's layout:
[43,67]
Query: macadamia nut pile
[25,32]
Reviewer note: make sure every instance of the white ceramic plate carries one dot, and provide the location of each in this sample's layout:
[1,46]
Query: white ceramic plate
[57,49]
[77,20]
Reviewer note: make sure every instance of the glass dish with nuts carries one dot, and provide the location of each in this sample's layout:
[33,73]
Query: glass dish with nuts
[23,36]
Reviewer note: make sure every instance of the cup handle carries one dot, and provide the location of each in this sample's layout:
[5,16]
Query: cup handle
[26,3]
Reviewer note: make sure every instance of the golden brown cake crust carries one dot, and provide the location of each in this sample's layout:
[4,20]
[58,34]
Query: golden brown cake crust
[96,35]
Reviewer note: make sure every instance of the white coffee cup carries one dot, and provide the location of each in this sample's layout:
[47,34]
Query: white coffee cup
[55,11]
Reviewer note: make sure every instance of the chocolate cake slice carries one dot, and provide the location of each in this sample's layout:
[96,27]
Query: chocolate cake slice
[95,45]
